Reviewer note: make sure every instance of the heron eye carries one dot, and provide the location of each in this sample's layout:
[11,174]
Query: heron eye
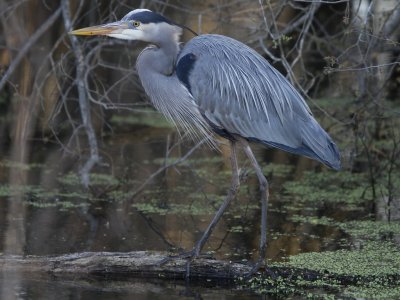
[136,23]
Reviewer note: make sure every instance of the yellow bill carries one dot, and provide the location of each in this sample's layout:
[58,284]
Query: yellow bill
[104,29]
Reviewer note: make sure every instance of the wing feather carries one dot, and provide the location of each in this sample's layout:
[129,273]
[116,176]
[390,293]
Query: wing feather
[238,91]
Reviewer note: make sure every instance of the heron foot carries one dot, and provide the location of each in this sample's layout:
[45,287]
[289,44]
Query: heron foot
[188,256]
[182,255]
[260,264]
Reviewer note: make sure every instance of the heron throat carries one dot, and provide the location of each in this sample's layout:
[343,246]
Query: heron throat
[165,37]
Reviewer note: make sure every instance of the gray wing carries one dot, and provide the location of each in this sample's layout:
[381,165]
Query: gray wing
[239,93]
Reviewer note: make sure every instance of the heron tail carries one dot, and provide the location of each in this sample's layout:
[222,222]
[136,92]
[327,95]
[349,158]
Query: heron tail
[316,144]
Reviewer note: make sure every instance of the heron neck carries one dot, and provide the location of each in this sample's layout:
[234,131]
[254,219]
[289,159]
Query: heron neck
[169,47]
[169,52]
[160,59]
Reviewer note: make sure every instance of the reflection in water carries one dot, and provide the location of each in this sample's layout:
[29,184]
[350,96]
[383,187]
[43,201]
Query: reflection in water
[51,287]
[14,235]
[61,217]
[46,211]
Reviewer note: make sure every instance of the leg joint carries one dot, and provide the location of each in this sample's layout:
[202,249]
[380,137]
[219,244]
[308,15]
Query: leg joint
[234,188]
[263,182]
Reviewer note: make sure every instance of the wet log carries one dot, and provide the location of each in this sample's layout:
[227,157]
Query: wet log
[146,264]
[133,264]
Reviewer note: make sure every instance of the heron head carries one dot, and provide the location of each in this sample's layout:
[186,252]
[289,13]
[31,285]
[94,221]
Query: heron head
[139,24]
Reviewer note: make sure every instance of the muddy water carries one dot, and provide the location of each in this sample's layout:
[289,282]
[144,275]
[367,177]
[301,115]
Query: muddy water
[45,211]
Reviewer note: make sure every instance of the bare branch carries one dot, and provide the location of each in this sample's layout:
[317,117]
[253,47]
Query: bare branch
[84,104]
[28,45]
[392,23]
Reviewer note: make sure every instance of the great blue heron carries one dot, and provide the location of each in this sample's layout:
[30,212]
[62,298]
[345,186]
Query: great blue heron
[215,84]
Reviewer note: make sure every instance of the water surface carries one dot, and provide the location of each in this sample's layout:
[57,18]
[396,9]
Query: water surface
[46,211]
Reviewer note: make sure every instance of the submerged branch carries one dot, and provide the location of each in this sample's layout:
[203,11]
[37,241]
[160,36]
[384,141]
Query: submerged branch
[167,166]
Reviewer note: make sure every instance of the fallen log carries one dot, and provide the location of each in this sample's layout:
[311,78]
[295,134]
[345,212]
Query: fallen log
[146,264]
[134,264]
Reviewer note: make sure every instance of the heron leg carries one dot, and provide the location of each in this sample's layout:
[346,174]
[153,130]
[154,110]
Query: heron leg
[235,182]
[264,190]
